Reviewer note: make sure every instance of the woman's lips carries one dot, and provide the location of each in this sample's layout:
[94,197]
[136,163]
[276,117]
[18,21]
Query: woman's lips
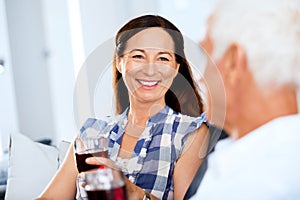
[148,84]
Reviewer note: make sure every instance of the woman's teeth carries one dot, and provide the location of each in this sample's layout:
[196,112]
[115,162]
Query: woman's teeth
[148,83]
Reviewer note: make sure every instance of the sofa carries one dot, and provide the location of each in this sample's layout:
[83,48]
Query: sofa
[31,165]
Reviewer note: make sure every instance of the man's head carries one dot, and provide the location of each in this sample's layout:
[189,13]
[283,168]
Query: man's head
[255,46]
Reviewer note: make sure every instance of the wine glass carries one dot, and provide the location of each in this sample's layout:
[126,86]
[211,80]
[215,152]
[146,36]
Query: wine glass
[91,143]
[105,183]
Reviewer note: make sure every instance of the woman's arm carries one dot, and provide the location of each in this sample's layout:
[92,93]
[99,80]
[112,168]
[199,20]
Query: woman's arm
[194,151]
[136,193]
[63,184]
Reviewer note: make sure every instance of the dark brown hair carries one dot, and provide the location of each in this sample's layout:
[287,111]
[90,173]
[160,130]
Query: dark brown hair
[183,95]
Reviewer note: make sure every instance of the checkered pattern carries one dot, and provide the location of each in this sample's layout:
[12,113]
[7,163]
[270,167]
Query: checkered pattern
[152,162]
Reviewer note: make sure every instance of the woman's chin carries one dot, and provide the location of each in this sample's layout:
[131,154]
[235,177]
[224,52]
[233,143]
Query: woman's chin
[150,98]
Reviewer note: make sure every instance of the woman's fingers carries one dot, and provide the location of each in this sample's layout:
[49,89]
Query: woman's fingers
[83,184]
[102,161]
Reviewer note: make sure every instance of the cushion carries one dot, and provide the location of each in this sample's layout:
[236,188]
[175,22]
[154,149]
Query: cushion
[63,149]
[31,167]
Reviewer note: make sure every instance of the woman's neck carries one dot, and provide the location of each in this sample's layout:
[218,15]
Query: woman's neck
[140,113]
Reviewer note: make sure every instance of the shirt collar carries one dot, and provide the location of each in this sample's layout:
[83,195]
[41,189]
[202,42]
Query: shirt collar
[158,117]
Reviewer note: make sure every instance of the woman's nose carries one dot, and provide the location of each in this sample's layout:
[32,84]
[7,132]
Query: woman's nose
[149,69]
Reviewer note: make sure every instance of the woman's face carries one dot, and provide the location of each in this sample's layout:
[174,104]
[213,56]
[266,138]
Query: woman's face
[148,65]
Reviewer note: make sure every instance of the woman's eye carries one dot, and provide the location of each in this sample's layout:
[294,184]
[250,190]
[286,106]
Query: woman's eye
[163,59]
[138,56]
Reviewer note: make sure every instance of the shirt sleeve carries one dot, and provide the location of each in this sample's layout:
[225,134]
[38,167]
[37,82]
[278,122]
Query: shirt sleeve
[187,126]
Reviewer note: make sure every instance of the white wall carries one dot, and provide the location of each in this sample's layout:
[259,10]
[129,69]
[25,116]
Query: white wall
[8,113]
[99,22]
[42,66]
[188,15]
[60,67]
[299,100]
[30,71]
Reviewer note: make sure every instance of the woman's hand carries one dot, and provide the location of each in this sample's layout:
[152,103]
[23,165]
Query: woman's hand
[102,161]
[133,192]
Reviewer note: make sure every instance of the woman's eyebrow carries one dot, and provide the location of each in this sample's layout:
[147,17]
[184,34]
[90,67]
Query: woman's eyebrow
[165,52]
[141,50]
[159,53]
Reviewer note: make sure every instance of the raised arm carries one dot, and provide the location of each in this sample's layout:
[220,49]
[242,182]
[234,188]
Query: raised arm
[63,184]
[191,158]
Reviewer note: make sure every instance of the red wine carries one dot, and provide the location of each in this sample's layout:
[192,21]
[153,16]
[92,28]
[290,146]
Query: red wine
[112,194]
[82,166]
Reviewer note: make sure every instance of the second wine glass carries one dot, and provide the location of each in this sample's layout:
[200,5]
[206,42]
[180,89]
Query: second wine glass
[105,184]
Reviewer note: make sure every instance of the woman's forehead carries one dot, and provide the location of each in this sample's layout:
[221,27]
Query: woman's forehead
[151,38]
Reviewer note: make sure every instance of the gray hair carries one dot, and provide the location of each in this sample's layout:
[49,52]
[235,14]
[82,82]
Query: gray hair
[269,32]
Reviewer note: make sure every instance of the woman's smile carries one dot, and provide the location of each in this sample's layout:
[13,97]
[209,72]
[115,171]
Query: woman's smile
[148,84]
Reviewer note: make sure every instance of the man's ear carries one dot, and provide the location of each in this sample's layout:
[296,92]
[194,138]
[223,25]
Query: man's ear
[234,63]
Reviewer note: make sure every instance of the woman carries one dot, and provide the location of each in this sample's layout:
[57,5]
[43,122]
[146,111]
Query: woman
[159,130]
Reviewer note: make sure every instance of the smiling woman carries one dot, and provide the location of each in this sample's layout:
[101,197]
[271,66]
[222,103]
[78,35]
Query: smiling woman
[168,40]
[148,71]
[159,130]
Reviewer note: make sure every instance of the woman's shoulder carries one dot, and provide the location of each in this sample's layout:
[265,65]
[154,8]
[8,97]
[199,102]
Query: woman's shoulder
[99,123]
[193,119]
[186,119]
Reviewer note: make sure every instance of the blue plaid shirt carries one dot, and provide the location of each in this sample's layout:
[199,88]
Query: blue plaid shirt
[155,154]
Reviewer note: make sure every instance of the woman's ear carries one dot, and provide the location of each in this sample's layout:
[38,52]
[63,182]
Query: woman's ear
[234,63]
[119,63]
[175,72]
[177,67]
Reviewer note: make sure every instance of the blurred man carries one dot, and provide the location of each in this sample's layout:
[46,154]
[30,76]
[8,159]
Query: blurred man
[256,49]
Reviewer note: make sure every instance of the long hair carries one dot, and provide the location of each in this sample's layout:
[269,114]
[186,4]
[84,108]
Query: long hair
[183,95]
